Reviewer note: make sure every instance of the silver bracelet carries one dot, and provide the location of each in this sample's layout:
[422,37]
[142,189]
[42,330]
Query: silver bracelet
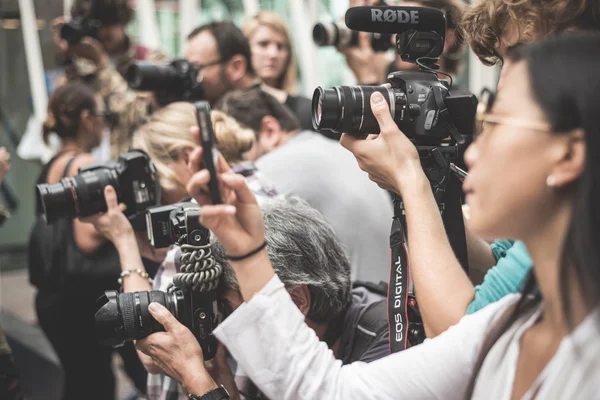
[138,271]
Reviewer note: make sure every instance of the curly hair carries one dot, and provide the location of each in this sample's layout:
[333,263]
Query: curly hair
[485,21]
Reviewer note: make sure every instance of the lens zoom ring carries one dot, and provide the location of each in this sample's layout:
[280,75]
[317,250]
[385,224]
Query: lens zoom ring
[128,311]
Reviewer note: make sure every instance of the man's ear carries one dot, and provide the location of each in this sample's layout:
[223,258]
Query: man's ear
[236,68]
[571,158]
[301,297]
[86,120]
[271,135]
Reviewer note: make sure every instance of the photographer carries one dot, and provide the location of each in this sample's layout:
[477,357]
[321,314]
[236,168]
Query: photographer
[543,343]
[65,309]
[321,172]
[221,53]
[443,290]
[101,62]
[371,67]
[275,64]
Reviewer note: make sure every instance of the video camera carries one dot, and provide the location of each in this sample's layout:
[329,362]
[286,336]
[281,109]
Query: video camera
[192,299]
[422,105]
[79,28]
[176,81]
[132,175]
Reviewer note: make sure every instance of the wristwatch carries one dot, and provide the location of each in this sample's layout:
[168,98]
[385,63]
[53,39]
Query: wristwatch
[216,394]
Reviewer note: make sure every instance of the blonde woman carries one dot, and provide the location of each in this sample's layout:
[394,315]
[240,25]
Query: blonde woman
[168,140]
[274,62]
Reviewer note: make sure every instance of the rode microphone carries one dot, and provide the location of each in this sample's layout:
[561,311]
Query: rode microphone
[392,20]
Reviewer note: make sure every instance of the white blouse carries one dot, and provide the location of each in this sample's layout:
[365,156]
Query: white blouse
[285,359]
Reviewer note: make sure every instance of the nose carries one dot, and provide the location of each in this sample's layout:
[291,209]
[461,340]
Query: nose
[272,51]
[471,155]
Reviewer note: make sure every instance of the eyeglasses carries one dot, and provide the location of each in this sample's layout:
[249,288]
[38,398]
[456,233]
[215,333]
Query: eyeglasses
[485,121]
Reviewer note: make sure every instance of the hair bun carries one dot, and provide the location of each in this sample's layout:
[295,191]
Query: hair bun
[50,121]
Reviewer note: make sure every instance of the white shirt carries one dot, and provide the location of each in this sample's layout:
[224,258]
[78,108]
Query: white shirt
[285,359]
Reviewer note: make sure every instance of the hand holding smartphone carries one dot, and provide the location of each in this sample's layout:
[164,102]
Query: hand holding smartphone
[210,153]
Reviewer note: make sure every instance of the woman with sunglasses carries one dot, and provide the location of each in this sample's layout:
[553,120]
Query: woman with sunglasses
[542,140]
[66,312]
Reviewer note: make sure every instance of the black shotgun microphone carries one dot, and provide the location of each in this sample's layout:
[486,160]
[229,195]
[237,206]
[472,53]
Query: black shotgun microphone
[392,20]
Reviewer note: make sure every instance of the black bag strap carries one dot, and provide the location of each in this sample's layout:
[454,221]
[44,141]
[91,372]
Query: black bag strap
[68,166]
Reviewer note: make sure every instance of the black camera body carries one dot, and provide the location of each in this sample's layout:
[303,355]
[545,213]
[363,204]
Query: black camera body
[79,28]
[175,81]
[132,175]
[338,35]
[177,223]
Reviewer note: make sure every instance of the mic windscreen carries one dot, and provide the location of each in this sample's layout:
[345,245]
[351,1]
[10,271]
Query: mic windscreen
[391,20]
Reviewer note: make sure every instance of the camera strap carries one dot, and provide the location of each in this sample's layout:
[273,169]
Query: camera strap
[399,279]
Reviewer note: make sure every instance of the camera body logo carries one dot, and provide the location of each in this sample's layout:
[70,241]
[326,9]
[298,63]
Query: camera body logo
[398,16]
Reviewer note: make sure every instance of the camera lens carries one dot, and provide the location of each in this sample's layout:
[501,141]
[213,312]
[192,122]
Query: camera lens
[56,200]
[125,317]
[347,109]
[76,196]
[71,32]
[152,78]
[325,34]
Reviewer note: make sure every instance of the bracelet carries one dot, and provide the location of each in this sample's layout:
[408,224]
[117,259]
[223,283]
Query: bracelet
[138,271]
[253,252]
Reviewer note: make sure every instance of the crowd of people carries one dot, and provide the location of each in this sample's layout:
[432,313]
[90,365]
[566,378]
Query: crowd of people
[303,232]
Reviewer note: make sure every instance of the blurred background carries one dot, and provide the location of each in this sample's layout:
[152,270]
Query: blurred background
[27,60]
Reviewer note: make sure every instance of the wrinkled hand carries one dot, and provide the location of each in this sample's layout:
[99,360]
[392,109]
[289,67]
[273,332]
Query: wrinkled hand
[238,222]
[112,224]
[369,66]
[221,373]
[4,162]
[177,352]
[91,49]
[390,158]
[61,44]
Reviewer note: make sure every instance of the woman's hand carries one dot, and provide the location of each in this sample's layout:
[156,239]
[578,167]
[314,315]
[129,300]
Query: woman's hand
[390,158]
[91,49]
[238,222]
[113,224]
[177,352]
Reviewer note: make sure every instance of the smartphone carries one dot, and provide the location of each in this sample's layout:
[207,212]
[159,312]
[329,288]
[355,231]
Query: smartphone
[210,153]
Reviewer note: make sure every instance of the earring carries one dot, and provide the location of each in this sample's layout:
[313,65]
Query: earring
[551,181]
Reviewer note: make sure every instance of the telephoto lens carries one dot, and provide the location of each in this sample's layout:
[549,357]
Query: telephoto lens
[124,317]
[347,109]
[338,35]
[151,78]
[76,196]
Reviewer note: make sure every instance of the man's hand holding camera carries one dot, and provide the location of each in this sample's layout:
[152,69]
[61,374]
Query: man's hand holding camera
[177,352]
[390,158]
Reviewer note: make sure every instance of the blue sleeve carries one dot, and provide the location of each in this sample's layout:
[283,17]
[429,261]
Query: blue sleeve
[500,247]
[504,278]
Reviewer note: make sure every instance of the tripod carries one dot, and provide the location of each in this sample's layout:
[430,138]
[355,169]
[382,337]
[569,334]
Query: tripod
[406,327]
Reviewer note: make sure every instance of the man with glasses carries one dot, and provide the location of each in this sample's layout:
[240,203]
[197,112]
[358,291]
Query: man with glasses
[221,53]
[443,289]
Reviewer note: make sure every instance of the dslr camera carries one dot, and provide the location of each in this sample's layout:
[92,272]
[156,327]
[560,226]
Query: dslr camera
[79,28]
[175,81]
[123,317]
[438,121]
[133,176]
